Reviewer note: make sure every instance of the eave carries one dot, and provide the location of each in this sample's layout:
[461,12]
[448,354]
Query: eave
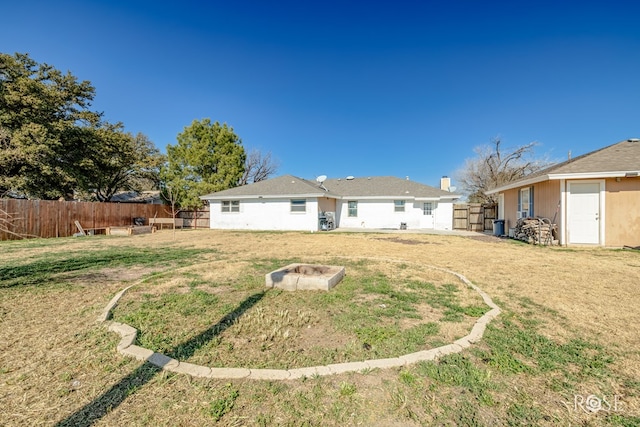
[559,176]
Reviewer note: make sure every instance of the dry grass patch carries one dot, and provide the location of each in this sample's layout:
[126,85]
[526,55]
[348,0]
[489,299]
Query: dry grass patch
[380,310]
[567,329]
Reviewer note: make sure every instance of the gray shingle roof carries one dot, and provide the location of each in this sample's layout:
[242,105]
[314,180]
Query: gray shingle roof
[285,185]
[375,186]
[621,157]
[384,186]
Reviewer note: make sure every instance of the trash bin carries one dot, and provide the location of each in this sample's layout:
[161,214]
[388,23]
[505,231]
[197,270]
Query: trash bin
[498,227]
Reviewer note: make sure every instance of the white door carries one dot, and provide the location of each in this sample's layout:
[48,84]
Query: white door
[583,213]
[428,211]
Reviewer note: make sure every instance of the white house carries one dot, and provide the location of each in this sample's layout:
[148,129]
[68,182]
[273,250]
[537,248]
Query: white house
[291,203]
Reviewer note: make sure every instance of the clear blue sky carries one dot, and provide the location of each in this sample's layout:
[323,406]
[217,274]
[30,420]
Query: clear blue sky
[352,87]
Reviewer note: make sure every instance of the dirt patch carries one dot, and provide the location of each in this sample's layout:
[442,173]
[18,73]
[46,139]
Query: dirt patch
[406,241]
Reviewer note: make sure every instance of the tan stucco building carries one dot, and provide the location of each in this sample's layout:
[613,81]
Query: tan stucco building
[594,198]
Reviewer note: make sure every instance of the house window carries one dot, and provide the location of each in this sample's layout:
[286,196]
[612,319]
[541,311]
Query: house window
[525,202]
[298,205]
[231,206]
[353,208]
[427,208]
[398,205]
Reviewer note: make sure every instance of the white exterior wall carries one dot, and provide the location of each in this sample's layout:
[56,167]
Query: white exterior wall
[275,214]
[444,216]
[265,214]
[377,214]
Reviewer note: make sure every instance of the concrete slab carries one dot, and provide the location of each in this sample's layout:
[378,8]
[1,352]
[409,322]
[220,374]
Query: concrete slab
[137,352]
[190,369]
[231,373]
[309,372]
[162,361]
[269,374]
[394,362]
[463,342]
[477,332]
[448,349]
[420,356]
[341,368]
[299,276]
[126,341]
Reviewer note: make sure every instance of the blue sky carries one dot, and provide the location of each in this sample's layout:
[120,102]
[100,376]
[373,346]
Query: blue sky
[352,87]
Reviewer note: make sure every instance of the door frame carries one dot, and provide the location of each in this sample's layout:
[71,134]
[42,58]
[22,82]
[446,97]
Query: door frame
[567,208]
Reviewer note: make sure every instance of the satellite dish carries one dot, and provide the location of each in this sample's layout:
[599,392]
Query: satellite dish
[321,178]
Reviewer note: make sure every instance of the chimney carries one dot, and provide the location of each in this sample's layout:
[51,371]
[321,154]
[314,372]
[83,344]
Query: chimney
[445,183]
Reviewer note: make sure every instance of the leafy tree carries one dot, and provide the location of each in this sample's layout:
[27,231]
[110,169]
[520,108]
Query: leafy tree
[258,167]
[495,166]
[41,110]
[209,157]
[116,161]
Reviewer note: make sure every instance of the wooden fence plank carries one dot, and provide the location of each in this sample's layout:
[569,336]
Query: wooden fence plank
[47,218]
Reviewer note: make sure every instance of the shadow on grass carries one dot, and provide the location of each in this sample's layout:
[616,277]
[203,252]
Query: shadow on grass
[42,271]
[128,385]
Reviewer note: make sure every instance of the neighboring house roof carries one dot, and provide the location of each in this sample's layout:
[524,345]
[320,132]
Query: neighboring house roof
[135,197]
[617,160]
[370,187]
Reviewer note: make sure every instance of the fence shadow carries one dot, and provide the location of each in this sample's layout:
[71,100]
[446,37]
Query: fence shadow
[128,385]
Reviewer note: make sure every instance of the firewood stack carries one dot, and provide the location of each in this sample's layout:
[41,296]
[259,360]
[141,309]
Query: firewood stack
[537,231]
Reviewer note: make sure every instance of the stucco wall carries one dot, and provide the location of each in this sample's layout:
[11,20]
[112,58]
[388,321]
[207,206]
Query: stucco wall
[443,216]
[275,214]
[265,214]
[377,214]
[622,210]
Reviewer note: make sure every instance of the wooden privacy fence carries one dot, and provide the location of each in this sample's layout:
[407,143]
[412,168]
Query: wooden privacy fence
[45,218]
[193,219]
[474,216]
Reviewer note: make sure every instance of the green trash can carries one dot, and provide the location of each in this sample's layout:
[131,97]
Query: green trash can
[498,227]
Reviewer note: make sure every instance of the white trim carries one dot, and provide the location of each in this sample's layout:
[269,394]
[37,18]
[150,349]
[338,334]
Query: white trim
[563,212]
[591,175]
[556,176]
[270,196]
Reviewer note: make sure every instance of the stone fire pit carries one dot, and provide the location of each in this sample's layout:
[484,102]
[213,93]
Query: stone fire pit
[295,277]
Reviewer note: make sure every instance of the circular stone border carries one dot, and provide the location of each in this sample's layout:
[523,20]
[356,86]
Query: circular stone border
[128,335]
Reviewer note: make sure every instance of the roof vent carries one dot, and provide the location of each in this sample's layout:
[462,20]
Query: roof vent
[633,139]
[350,178]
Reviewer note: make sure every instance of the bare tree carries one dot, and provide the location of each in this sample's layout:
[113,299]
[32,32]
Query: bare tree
[495,166]
[258,167]
[171,195]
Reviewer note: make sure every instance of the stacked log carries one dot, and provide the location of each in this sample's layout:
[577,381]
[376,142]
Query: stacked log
[537,231]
